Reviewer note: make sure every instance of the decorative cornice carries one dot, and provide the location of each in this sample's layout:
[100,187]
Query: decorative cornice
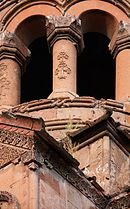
[64,27]
[17,139]
[14,138]
[11,47]
[20,137]
[14,145]
[121,38]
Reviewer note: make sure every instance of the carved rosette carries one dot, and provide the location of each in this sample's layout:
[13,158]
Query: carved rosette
[121,38]
[12,47]
[64,27]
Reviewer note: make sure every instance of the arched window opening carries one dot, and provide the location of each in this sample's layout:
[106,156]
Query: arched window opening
[96,68]
[36,81]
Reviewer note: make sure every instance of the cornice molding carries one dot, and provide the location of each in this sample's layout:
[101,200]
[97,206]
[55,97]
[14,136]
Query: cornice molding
[14,145]
[17,139]
[66,102]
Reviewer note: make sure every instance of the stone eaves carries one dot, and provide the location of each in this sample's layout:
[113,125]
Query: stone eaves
[104,125]
[88,102]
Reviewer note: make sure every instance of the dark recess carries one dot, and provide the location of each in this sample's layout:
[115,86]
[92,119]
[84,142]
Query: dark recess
[37,80]
[96,68]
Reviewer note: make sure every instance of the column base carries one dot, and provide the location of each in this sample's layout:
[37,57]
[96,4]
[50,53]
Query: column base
[63,93]
[4,108]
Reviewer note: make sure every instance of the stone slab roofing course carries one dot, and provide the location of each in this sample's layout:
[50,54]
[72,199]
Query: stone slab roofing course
[104,125]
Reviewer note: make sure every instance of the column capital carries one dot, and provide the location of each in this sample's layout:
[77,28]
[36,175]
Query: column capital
[64,27]
[120,39]
[11,47]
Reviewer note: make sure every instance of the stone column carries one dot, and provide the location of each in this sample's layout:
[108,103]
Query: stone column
[120,48]
[13,56]
[65,40]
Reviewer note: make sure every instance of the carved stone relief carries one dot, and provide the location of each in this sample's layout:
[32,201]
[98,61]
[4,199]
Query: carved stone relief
[8,154]
[15,139]
[8,38]
[66,20]
[123,25]
[69,27]
[62,70]
[4,83]
[13,145]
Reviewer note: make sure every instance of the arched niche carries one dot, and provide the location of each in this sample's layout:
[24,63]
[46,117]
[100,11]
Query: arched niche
[8,201]
[22,11]
[96,66]
[36,80]
[79,8]
[31,28]
[98,21]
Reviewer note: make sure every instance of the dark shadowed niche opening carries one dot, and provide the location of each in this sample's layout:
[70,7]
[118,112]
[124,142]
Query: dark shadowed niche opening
[37,80]
[96,68]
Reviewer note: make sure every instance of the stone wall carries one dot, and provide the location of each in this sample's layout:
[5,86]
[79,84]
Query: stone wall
[55,192]
[107,162]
